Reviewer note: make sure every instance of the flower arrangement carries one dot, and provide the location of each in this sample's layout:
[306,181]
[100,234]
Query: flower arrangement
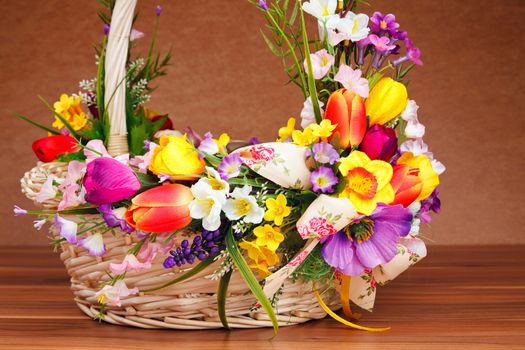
[337,200]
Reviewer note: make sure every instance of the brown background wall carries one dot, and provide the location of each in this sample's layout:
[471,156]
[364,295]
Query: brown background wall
[224,79]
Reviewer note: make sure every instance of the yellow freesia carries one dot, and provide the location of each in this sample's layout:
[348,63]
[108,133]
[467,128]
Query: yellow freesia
[177,157]
[69,108]
[386,101]
[368,181]
[277,209]
[261,257]
[428,176]
[268,236]
[324,129]
[222,142]
[285,132]
[304,138]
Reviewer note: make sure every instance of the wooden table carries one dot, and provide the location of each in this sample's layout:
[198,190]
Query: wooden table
[457,298]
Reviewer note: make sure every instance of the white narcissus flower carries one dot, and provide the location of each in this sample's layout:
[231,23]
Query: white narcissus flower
[320,9]
[414,129]
[207,205]
[352,80]
[94,244]
[322,61]
[243,205]
[47,191]
[307,113]
[110,295]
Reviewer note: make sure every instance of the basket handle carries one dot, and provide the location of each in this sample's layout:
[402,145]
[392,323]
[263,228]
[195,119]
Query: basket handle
[115,72]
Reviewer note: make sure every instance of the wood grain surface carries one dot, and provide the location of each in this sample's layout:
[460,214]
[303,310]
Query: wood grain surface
[460,297]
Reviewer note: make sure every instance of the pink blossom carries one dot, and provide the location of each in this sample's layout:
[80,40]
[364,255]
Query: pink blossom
[111,295]
[322,61]
[382,44]
[352,80]
[149,251]
[307,113]
[130,263]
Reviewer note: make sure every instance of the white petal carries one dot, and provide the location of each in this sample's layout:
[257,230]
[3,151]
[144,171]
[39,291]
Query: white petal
[94,244]
[47,191]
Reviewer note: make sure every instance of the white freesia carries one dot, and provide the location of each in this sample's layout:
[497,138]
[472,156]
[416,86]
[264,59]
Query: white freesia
[215,181]
[307,113]
[414,129]
[47,191]
[418,147]
[242,204]
[207,205]
[353,27]
[320,9]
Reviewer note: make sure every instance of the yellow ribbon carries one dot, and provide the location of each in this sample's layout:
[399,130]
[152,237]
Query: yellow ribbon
[345,298]
[342,320]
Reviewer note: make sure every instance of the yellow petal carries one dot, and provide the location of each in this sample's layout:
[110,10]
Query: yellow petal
[354,160]
[382,172]
[427,174]
[363,206]
[386,195]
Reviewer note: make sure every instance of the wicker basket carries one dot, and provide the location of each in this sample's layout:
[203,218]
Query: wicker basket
[191,304]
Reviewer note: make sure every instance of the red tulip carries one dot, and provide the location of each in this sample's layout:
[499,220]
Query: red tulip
[47,149]
[168,124]
[161,209]
[346,109]
[406,184]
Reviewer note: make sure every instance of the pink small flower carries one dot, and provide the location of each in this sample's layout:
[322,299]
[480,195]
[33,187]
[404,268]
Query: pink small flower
[111,295]
[135,35]
[382,44]
[352,80]
[149,251]
[322,61]
[130,263]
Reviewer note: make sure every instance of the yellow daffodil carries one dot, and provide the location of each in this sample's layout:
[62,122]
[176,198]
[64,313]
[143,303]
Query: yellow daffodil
[427,175]
[277,209]
[324,129]
[261,257]
[285,132]
[222,142]
[177,157]
[387,100]
[368,181]
[261,268]
[304,138]
[268,236]
[69,108]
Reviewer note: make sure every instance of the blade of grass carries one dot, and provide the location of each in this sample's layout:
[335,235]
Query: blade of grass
[38,125]
[221,298]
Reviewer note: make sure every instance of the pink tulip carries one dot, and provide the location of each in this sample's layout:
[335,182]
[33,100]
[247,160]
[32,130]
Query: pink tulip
[109,181]
[379,143]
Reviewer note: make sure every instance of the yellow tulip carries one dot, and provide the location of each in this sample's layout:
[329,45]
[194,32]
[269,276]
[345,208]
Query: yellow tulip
[386,101]
[176,157]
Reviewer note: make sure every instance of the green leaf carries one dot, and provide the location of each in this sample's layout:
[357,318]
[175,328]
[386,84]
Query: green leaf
[221,298]
[249,278]
[195,270]
[100,89]
[38,125]
[270,44]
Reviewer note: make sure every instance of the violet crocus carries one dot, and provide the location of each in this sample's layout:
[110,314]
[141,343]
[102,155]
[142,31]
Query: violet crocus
[381,24]
[323,153]
[370,242]
[230,166]
[263,5]
[109,181]
[323,180]
[379,142]
[115,217]
[413,54]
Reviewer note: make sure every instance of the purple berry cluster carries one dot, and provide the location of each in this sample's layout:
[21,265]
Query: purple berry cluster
[208,243]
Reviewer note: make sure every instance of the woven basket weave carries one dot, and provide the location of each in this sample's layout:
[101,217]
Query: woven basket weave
[191,304]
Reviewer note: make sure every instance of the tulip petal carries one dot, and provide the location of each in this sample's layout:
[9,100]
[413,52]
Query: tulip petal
[357,121]
[164,219]
[164,196]
[337,111]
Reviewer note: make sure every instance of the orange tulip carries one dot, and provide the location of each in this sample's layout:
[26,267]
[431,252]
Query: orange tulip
[346,109]
[406,184]
[160,209]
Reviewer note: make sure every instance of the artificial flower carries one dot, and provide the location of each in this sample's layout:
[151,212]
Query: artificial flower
[66,228]
[406,184]
[130,263]
[150,250]
[321,61]
[381,24]
[353,27]
[135,34]
[346,110]
[352,80]
[305,137]
[154,116]
[428,176]
[160,209]
[95,149]
[207,205]
[94,244]
[413,54]
[215,180]
[414,129]
[230,166]
[222,142]
[142,162]
[431,203]
[208,145]
[369,242]
[263,5]
[381,44]
[307,113]
[115,217]
[111,295]
[285,133]
[243,205]
[38,224]
[176,157]
[379,142]
[261,257]
[323,153]
[368,181]
[109,181]
[277,209]
[268,236]
[48,190]
[68,107]
[73,194]
[323,130]
[418,147]
[320,9]
[47,149]
[19,211]
[387,100]
[323,180]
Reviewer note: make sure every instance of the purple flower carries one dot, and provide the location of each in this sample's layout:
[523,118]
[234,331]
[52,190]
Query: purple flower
[158,10]
[323,180]
[381,44]
[431,203]
[208,145]
[19,211]
[207,244]
[106,29]
[108,181]
[114,218]
[193,136]
[323,153]
[369,242]
[413,54]
[254,141]
[263,5]
[380,24]
[230,166]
